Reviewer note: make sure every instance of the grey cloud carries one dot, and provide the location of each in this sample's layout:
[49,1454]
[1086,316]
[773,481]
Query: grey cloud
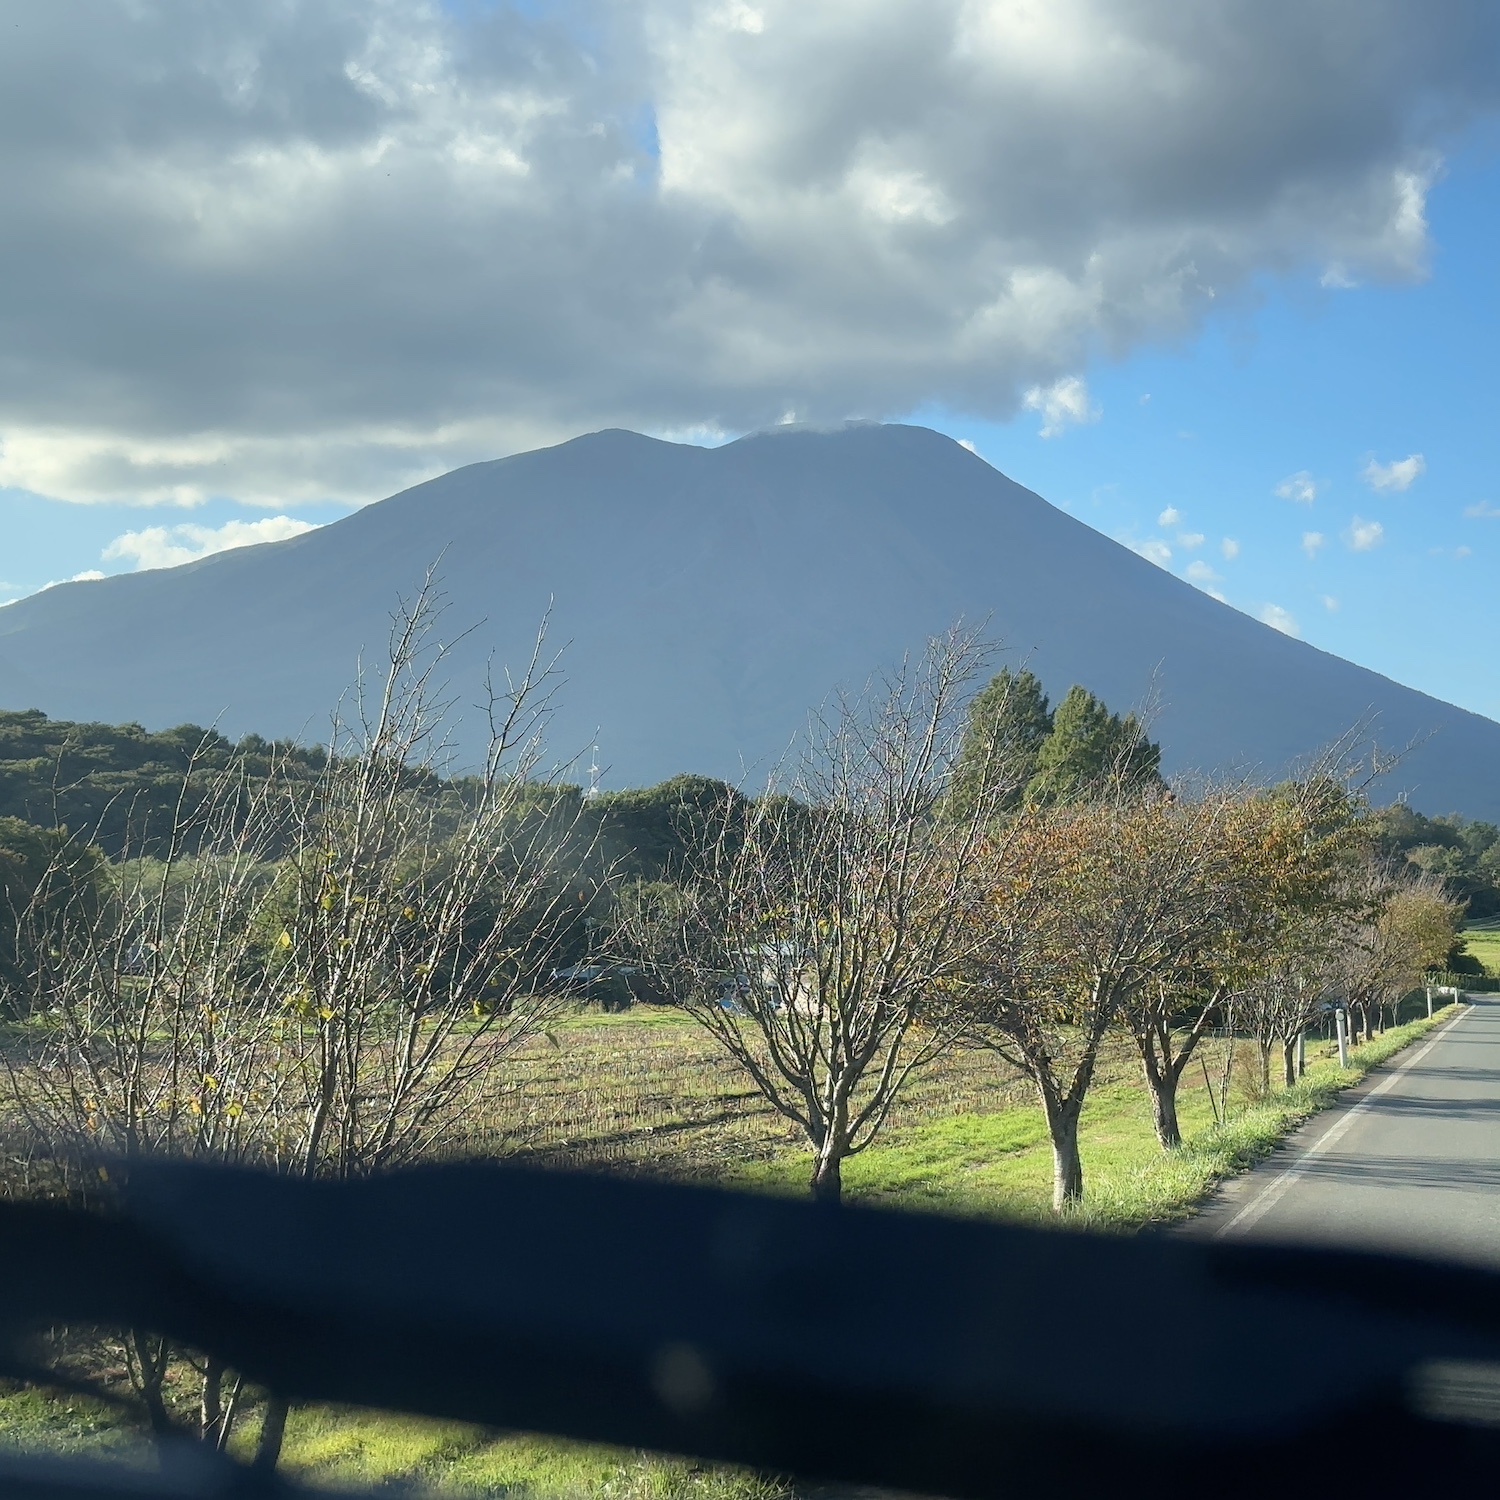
[283,248]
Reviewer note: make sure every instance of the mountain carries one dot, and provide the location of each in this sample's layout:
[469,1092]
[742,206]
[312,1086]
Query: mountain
[710,597]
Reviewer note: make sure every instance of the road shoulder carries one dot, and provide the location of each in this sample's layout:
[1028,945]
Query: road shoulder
[1228,1202]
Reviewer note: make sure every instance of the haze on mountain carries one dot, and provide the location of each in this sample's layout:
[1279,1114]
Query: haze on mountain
[708,599]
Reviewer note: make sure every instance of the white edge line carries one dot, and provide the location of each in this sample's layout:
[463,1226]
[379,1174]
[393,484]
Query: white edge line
[1265,1200]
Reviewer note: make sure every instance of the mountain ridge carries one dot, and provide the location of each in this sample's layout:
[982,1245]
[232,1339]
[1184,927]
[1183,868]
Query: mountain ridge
[713,597]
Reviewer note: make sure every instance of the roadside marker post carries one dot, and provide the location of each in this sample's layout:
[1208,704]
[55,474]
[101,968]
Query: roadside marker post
[1340,1021]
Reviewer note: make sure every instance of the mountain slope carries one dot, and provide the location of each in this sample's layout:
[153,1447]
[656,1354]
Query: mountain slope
[711,596]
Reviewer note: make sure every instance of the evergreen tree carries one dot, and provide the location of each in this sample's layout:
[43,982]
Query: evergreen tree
[1008,722]
[1091,750]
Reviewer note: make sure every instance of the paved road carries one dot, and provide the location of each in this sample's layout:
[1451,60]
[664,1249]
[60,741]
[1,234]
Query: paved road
[1411,1161]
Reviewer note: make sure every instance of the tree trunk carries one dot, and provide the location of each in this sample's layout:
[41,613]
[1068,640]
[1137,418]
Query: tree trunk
[1067,1164]
[1163,1087]
[272,1433]
[1164,1068]
[1155,1046]
[1289,1061]
[827,1178]
[211,1407]
[151,1358]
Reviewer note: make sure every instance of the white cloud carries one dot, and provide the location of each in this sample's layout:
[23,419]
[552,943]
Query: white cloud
[1279,619]
[1062,404]
[89,575]
[965,443]
[1311,542]
[1330,603]
[1153,549]
[1362,536]
[1200,572]
[1230,548]
[1463,552]
[168,546]
[276,251]
[1482,508]
[1336,278]
[737,16]
[1169,517]
[1397,476]
[1190,539]
[1301,487]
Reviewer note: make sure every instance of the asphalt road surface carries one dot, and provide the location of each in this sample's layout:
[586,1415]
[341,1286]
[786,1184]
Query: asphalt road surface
[1409,1161]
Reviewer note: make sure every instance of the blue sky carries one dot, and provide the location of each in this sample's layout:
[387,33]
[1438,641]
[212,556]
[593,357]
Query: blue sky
[1219,280]
[1308,381]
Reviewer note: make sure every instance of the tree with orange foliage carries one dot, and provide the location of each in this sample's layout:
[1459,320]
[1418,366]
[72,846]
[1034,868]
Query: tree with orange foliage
[1260,876]
[1087,905]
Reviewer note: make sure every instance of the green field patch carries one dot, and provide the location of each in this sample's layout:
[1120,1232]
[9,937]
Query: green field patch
[1482,939]
[342,1448]
[36,1420]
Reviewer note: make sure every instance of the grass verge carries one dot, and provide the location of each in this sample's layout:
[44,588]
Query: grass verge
[1000,1165]
[330,1446]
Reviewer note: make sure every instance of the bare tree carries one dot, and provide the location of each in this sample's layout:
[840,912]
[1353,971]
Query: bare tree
[330,978]
[414,944]
[818,937]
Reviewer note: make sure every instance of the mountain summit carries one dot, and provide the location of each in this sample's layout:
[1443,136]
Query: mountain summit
[710,598]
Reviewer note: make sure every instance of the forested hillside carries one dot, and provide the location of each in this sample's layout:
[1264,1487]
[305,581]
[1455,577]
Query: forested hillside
[123,788]
[118,785]
[1464,854]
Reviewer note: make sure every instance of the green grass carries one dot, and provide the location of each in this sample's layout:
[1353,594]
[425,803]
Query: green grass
[341,1448]
[338,1447]
[33,1420]
[1482,939]
[1000,1165]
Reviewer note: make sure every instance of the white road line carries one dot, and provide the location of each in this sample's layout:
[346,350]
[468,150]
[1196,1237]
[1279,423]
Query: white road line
[1268,1197]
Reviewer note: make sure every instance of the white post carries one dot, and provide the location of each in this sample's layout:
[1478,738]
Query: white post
[1341,1022]
[1429,1002]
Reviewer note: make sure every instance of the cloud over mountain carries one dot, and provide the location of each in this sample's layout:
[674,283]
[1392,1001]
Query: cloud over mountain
[278,251]
[170,546]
